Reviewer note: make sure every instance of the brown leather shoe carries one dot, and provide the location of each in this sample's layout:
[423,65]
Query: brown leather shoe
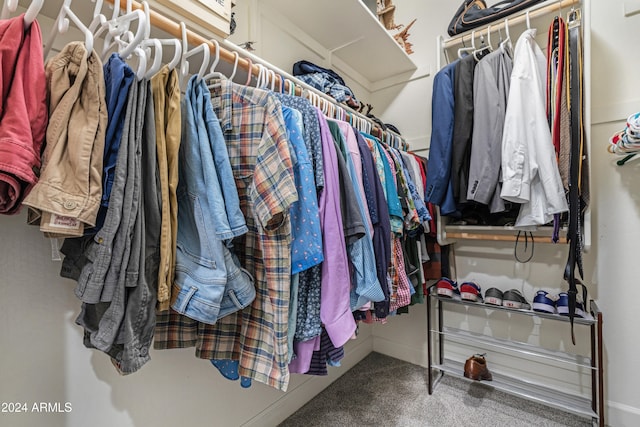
[475,368]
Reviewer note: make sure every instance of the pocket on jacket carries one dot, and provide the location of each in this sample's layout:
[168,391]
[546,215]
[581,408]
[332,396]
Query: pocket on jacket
[194,237]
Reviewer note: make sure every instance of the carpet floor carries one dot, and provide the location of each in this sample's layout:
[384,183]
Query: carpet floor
[383,391]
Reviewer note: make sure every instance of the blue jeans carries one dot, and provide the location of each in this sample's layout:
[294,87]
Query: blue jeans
[209,280]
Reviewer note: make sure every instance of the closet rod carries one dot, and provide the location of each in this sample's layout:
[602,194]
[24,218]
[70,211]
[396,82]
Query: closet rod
[519,18]
[300,84]
[494,237]
[163,23]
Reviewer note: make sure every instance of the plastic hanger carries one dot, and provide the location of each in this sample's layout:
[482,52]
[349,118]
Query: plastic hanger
[292,88]
[273,80]
[157,56]
[462,50]
[142,62]
[99,19]
[29,16]
[186,54]
[484,48]
[213,74]
[281,83]
[507,41]
[120,36]
[528,21]
[249,72]
[235,65]
[8,7]
[61,26]
[148,43]
[260,76]
[177,45]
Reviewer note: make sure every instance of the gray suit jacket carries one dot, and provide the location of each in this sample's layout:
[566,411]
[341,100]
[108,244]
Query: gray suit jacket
[490,93]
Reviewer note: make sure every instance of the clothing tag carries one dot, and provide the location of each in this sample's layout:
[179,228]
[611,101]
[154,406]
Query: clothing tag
[215,102]
[55,250]
[64,222]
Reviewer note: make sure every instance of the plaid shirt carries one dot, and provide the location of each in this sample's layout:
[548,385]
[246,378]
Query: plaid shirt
[256,138]
[400,285]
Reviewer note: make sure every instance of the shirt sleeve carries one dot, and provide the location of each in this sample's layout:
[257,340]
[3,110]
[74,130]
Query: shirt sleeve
[273,186]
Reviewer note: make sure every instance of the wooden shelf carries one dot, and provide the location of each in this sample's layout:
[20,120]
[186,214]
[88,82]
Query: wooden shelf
[351,32]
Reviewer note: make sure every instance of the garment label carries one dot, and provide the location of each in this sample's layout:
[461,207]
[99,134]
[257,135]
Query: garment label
[64,222]
[55,250]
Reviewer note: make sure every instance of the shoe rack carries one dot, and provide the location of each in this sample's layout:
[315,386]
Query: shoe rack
[440,363]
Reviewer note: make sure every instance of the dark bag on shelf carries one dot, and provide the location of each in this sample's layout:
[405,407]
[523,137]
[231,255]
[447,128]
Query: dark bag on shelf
[475,13]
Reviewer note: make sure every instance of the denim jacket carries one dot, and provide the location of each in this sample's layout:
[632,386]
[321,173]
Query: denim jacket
[209,280]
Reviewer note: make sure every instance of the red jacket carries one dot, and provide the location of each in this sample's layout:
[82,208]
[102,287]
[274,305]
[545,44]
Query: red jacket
[23,110]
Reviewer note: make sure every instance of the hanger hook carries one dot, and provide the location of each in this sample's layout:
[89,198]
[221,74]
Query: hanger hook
[292,87]
[273,80]
[235,65]
[528,21]
[249,72]
[260,75]
[217,57]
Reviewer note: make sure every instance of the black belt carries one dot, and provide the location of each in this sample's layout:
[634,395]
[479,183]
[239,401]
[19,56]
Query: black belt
[574,232]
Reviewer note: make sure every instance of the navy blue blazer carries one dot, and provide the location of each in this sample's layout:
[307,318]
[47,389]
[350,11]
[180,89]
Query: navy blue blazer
[439,183]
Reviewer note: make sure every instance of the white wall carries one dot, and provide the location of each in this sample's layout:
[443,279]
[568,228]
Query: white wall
[611,271]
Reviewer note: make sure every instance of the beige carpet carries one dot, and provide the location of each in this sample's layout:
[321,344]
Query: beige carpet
[383,391]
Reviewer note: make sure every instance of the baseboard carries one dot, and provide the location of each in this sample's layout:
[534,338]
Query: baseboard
[621,415]
[295,398]
[417,356]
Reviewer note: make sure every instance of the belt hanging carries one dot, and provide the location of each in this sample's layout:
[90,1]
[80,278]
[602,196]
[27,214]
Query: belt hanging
[575,105]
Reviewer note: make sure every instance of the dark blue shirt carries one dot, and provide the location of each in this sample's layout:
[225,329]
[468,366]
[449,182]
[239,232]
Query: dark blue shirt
[118,78]
[379,212]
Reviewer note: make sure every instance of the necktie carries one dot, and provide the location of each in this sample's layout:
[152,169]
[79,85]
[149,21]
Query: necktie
[575,165]
[556,61]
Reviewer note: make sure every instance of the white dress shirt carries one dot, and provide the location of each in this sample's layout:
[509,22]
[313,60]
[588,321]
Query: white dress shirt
[529,167]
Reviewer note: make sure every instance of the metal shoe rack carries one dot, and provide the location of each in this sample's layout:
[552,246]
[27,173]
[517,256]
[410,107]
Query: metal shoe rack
[439,333]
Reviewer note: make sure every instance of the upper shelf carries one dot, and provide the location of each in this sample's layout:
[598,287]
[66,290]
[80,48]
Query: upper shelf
[351,32]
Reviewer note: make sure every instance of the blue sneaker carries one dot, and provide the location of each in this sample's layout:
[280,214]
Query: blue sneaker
[544,302]
[563,306]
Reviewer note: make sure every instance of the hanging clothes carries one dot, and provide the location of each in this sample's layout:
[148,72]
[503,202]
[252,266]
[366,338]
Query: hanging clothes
[306,233]
[101,317]
[530,170]
[462,126]
[490,93]
[379,214]
[23,111]
[255,135]
[209,284]
[439,184]
[165,89]
[70,186]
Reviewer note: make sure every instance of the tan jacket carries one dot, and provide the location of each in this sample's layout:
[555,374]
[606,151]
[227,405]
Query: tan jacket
[70,185]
